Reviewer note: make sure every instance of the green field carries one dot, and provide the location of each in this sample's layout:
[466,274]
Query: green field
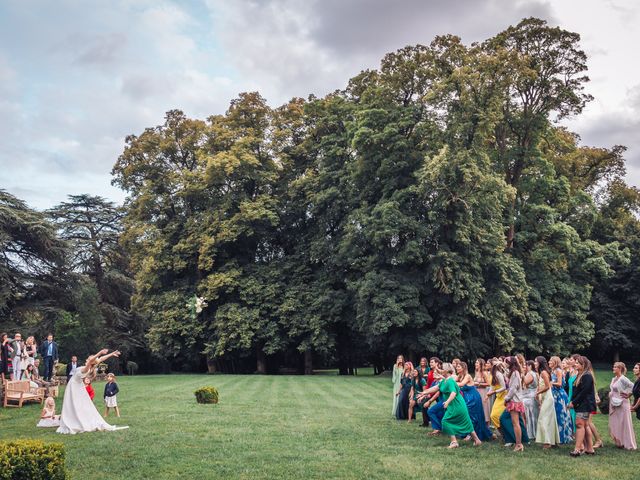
[316,427]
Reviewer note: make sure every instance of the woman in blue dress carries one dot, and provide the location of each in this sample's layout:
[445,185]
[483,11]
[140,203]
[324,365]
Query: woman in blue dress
[473,400]
[435,407]
[561,400]
[402,410]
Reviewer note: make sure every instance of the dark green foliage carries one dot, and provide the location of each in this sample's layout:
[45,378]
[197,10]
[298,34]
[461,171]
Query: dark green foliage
[35,282]
[432,206]
[100,309]
[32,459]
[603,393]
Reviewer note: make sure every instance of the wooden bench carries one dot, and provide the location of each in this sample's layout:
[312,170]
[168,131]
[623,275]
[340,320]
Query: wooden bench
[21,391]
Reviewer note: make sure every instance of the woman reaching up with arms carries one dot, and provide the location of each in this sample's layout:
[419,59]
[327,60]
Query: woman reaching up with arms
[456,421]
[79,414]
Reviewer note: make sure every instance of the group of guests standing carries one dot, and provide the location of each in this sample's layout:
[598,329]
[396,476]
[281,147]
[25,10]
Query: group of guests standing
[18,356]
[551,402]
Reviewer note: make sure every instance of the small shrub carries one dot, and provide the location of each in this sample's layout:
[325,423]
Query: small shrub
[33,460]
[206,395]
[132,367]
[61,369]
[603,393]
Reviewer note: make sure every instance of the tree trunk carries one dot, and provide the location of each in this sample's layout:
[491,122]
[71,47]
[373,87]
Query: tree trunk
[261,361]
[211,366]
[308,362]
[616,355]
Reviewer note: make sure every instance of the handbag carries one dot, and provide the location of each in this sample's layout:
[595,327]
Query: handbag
[616,401]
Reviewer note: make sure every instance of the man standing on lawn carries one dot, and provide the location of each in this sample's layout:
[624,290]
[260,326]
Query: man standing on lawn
[49,352]
[17,352]
[72,367]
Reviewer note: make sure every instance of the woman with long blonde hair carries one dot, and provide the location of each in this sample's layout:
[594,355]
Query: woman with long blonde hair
[561,400]
[31,349]
[583,403]
[620,423]
[498,391]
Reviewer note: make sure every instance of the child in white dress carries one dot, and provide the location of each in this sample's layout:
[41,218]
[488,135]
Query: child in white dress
[48,417]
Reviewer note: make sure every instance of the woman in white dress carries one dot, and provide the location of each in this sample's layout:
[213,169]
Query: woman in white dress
[79,414]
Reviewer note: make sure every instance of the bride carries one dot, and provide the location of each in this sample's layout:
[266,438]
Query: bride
[79,414]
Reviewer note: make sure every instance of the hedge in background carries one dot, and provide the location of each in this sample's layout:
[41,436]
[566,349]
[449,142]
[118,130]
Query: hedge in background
[32,460]
[206,395]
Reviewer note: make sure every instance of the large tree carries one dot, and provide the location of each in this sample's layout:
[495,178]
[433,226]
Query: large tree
[34,281]
[92,226]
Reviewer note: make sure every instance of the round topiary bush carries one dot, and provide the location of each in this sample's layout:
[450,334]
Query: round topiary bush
[61,369]
[206,395]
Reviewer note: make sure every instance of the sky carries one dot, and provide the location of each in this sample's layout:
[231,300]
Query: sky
[78,76]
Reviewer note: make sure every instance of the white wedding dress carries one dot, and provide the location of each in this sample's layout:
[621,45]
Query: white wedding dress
[79,414]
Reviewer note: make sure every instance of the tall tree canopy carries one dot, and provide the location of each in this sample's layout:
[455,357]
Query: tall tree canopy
[33,274]
[434,205]
[101,315]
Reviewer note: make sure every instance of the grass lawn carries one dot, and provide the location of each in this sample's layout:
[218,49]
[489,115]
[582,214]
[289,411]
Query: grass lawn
[317,427]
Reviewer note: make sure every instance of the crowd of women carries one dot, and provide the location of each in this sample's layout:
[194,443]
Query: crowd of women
[518,400]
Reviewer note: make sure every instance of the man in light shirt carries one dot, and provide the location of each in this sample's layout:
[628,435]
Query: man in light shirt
[17,352]
[72,366]
[49,352]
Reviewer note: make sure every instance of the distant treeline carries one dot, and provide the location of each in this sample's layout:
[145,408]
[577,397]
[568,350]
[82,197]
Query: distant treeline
[434,205]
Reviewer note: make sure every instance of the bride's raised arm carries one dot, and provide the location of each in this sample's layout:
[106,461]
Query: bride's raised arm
[115,353]
[93,360]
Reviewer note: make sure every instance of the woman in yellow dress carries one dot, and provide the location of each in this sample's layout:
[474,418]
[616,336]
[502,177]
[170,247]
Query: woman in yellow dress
[498,389]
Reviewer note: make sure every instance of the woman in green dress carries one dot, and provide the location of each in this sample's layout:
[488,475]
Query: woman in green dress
[456,421]
[398,370]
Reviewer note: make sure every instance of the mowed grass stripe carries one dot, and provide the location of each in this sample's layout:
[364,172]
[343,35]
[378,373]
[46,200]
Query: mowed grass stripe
[291,427]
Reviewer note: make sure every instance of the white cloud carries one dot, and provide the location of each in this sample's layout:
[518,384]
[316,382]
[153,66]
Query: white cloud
[71,94]
[291,48]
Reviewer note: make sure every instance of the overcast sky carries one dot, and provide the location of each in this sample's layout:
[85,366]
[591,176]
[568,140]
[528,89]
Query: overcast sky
[76,77]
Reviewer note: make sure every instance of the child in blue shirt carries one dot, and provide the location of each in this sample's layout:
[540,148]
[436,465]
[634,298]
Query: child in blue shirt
[110,391]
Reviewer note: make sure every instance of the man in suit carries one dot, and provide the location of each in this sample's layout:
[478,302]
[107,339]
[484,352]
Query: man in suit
[17,352]
[72,366]
[49,352]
